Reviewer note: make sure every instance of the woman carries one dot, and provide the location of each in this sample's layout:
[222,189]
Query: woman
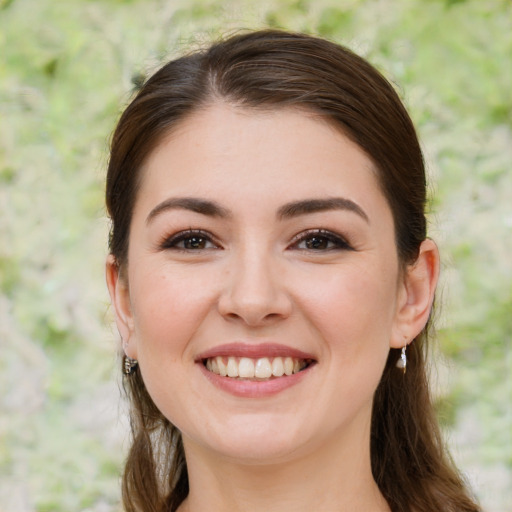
[272,284]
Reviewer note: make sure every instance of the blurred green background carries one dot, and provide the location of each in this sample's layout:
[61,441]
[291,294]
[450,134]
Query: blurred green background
[66,70]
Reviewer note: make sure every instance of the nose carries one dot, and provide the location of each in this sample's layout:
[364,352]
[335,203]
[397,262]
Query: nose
[254,292]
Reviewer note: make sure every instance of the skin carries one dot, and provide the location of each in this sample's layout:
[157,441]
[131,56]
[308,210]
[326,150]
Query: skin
[254,276]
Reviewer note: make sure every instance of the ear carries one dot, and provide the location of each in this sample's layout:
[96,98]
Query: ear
[416,295]
[120,297]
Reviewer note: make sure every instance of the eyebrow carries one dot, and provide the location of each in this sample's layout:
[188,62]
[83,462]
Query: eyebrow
[289,210]
[304,207]
[203,206]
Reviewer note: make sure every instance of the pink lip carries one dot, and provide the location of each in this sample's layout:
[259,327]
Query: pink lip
[254,388]
[254,351]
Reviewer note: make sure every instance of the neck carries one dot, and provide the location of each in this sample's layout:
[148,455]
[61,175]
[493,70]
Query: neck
[335,476]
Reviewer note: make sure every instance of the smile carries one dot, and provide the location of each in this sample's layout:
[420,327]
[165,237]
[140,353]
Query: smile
[263,368]
[250,370]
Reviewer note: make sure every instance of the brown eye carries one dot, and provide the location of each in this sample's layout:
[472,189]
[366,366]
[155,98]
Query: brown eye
[319,240]
[189,241]
[317,243]
[194,242]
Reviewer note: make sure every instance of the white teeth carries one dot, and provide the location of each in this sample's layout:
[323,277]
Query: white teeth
[247,368]
[232,367]
[263,369]
[288,366]
[222,367]
[277,367]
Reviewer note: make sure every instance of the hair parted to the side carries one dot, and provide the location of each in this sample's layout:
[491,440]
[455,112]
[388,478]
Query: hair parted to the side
[272,70]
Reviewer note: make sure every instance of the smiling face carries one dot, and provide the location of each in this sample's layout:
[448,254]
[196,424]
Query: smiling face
[261,245]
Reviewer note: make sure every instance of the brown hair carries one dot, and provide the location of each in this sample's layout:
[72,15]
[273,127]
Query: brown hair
[270,70]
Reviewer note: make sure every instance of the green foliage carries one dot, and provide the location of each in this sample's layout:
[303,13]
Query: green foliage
[334,22]
[66,70]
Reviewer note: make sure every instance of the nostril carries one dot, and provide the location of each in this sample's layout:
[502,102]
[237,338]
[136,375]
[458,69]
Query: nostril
[254,295]
[255,318]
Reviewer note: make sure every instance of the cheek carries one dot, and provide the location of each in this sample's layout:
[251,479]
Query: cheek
[351,312]
[353,307]
[168,306]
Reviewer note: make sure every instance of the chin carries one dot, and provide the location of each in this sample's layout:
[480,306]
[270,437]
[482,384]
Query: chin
[259,452]
[254,441]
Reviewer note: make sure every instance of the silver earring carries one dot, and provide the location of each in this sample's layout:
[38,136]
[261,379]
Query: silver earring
[402,362]
[130,365]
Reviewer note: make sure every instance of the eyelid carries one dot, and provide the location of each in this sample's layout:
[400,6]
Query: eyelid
[339,240]
[170,241]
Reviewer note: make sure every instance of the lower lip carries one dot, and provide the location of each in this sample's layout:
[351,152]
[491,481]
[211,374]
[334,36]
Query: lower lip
[253,388]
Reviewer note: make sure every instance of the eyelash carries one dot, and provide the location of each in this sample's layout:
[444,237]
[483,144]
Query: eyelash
[338,243]
[187,235]
[333,241]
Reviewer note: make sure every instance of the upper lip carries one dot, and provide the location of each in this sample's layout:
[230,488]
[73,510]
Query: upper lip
[253,351]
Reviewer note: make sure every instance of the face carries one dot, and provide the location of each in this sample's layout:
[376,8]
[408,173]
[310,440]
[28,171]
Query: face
[261,246]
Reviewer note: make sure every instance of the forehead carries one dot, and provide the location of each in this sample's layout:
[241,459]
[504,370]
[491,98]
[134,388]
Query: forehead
[237,152]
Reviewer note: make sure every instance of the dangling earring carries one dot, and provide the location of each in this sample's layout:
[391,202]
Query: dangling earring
[402,362]
[130,365]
